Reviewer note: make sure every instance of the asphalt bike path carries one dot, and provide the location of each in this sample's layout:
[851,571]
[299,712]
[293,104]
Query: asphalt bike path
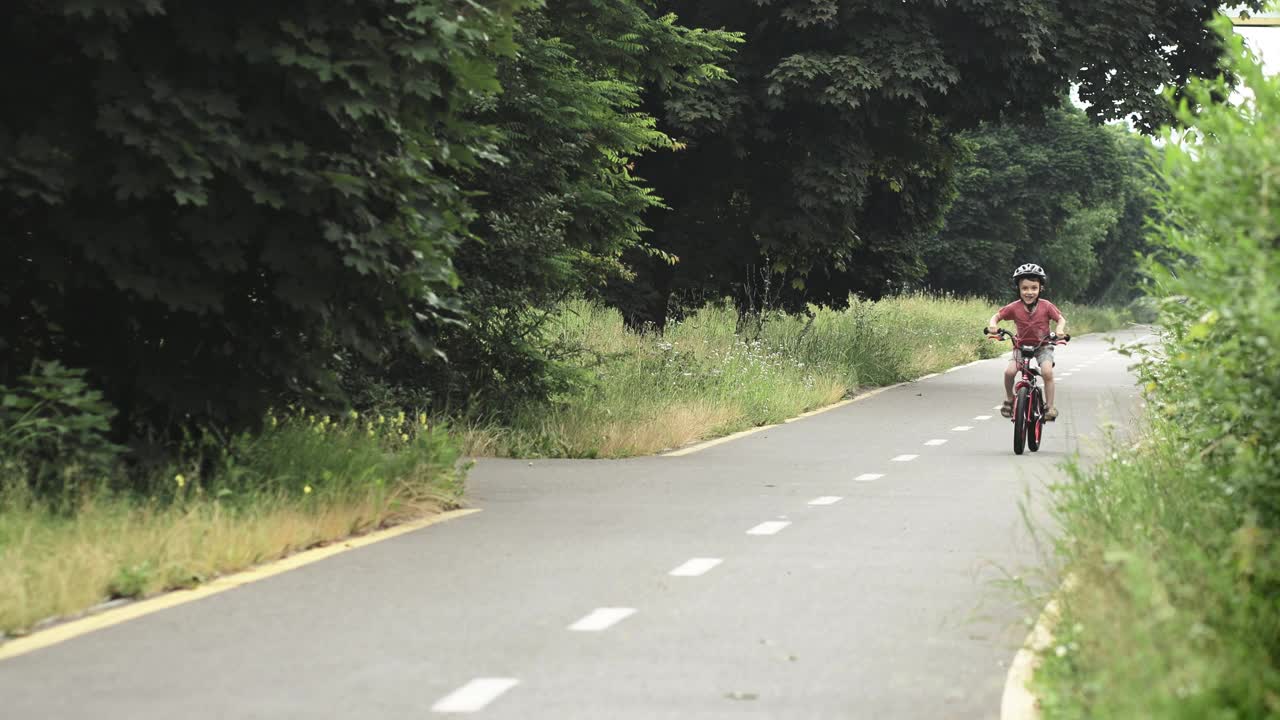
[853,564]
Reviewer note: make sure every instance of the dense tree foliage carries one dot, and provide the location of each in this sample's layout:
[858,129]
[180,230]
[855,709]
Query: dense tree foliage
[202,204]
[825,165]
[1064,193]
[215,209]
[557,211]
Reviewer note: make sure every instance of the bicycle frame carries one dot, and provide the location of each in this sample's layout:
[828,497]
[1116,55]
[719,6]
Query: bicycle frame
[1023,355]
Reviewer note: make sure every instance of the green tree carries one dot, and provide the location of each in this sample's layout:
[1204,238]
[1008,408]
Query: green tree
[1118,279]
[1064,193]
[1050,193]
[825,166]
[203,204]
[556,213]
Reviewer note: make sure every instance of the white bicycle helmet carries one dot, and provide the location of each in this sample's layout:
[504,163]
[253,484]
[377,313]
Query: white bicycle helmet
[1030,270]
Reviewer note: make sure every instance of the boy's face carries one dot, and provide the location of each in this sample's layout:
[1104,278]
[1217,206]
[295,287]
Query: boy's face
[1029,290]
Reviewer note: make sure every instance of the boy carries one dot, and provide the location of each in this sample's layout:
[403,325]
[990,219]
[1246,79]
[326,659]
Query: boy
[1031,316]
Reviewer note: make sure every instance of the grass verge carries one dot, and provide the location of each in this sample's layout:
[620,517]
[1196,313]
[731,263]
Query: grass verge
[303,481]
[1174,611]
[1176,546]
[707,376]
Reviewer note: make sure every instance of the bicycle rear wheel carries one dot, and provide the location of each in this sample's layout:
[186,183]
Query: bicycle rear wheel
[1020,423]
[1035,419]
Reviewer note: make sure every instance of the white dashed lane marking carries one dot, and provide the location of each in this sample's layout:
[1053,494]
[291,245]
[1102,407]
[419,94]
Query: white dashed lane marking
[602,618]
[935,442]
[772,527]
[981,417]
[961,428]
[826,500]
[905,458]
[868,477]
[474,696]
[695,567]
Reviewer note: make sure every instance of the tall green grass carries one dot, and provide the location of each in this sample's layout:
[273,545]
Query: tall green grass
[302,481]
[710,374]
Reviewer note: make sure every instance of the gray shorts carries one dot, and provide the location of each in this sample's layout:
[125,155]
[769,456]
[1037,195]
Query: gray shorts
[1043,355]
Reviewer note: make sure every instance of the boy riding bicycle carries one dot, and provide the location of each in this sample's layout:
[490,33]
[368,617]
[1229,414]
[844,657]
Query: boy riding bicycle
[1031,317]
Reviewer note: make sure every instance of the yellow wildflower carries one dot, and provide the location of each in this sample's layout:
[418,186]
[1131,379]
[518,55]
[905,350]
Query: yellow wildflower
[180,480]
[354,415]
[422,419]
[306,489]
[404,437]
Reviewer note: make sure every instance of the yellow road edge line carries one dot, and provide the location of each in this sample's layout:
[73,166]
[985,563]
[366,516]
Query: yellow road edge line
[1017,702]
[75,628]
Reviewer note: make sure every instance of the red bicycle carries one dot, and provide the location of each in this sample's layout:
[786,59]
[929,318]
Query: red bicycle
[1028,406]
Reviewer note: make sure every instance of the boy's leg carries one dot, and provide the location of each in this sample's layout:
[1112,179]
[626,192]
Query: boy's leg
[1009,374]
[1044,358]
[1046,372]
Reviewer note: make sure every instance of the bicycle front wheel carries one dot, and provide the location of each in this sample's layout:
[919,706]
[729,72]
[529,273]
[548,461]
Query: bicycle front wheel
[1035,419]
[1020,425]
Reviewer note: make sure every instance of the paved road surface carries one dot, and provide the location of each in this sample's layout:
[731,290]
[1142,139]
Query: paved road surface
[842,566]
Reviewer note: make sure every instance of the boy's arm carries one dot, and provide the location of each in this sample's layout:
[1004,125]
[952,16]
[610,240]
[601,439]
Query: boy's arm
[991,324]
[1062,323]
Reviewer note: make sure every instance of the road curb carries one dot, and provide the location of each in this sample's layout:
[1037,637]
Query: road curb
[1017,702]
[113,613]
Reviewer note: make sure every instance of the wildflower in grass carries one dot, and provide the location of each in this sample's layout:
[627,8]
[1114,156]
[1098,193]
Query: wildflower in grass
[400,418]
[404,437]
[422,419]
[306,489]
[353,415]
[381,419]
[180,480]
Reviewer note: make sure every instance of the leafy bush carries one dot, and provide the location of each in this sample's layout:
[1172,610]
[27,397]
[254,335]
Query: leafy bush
[1175,545]
[53,429]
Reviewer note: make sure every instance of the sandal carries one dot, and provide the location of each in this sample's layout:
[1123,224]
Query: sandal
[1051,415]
[1007,409]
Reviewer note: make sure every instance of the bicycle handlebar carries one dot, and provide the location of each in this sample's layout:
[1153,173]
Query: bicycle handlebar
[1001,334]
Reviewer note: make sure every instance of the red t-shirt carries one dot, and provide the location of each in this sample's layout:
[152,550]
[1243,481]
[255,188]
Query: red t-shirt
[1032,326]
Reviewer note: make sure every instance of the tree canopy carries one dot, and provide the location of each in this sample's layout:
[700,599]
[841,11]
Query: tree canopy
[825,164]
[1064,193]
